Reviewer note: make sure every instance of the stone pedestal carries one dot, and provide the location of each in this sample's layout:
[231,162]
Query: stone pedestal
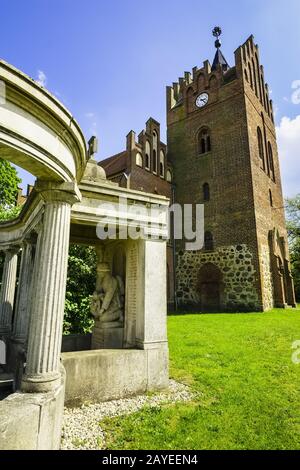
[107,338]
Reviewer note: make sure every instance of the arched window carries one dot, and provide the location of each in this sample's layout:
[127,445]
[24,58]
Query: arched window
[169,176]
[154,163]
[271,198]
[155,140]
[258,75]
[268,104]
[204,141]
[254,77]
[154,154]
[206,192]
[246,76]
[208,241]
[271,161]
[263,95]
[147,155]
[139,159]
[208,144]
[244,54]
[250,74]
[261,149]
[161,164]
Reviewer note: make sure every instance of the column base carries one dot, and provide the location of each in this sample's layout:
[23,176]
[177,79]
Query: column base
[41,384]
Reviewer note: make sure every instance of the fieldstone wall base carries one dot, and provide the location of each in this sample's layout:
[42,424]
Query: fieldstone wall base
[267,279]
[239,291]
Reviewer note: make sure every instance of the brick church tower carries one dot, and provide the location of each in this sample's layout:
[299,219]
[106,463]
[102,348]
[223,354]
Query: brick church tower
[223,151]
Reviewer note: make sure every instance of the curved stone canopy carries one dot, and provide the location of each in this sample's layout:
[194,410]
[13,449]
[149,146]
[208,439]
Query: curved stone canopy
[37,132]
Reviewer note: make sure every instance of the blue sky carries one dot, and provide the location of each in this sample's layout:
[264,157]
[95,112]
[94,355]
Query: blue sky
[109,61]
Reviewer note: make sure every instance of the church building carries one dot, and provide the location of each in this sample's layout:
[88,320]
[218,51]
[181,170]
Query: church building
[221,152]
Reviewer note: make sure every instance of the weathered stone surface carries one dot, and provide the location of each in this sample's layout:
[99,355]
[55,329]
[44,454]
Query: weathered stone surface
[107,338]
[8,291]
[238,276]
[104,374]
[47,304]
[31,421]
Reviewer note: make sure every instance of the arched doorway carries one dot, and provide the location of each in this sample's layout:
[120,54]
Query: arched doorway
[210,287]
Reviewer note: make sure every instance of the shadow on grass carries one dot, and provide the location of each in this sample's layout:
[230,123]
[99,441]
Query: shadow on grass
[190,310]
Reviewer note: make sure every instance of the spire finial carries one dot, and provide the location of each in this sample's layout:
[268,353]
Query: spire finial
[217,33]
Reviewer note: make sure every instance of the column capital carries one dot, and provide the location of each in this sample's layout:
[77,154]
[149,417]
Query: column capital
[11,249]
[58,192]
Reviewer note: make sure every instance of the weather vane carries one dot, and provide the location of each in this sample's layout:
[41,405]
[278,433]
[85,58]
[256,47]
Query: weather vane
[217,33]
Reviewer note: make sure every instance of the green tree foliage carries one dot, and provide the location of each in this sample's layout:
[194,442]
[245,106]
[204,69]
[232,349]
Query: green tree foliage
[80,286]
[293,217]
[8,214]
[9,182]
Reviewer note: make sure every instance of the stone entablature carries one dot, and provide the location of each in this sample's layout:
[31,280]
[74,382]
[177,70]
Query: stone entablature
[37,132]
[238,289]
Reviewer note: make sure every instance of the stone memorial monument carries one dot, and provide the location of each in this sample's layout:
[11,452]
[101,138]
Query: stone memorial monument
[68,203]
[107,306]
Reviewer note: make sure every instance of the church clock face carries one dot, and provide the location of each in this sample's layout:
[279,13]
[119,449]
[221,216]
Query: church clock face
[202,100]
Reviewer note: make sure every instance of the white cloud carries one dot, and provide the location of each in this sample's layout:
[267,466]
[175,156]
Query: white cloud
[42,78]
[288,135]
[296,94]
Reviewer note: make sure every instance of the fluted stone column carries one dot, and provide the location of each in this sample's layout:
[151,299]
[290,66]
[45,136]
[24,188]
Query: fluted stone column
[42,372]
[21,320]
[8,287]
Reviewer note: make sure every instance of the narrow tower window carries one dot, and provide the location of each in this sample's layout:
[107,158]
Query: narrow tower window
[154,161]
[204,141]
[254,77]
[206,192]
[261,149]
[208,241]
[271,198]
[271,161]
[162,164]
[258,76]
[250,74]
[154,154]
[147,155]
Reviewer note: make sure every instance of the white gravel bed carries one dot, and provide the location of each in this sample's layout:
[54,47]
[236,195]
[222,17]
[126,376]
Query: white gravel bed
[81,430]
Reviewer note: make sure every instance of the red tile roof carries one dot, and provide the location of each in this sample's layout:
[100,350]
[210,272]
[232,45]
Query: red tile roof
[115,164]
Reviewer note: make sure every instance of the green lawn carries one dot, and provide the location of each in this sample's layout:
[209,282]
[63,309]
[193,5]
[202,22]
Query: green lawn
[248,386]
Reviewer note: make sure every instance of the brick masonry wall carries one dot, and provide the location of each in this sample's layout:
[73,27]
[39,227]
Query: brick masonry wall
[239,211]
